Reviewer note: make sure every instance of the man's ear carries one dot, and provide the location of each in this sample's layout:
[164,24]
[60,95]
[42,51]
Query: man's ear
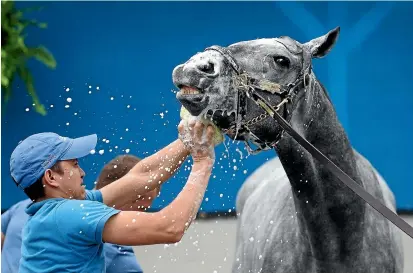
[50,179]
[321,46]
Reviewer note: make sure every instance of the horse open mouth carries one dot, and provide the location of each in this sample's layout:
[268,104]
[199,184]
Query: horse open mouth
[193,99]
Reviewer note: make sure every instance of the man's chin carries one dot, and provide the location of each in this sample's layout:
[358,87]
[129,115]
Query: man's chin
[82,192]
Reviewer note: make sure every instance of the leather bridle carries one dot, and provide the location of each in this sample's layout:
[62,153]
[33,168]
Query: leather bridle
[247,87]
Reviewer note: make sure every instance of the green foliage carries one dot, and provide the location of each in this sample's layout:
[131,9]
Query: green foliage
[15,53]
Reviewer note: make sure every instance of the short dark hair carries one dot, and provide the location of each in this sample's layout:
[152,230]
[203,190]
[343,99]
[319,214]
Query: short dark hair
[36,190]
[115,169]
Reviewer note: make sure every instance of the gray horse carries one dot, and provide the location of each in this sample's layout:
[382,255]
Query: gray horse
[298,217]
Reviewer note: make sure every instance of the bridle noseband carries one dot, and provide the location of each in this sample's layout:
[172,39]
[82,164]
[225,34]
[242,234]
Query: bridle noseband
[248,86]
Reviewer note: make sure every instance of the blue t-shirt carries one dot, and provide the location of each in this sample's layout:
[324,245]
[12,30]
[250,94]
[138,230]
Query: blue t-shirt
[64,235]
[121,259]
[117,258]
[12,223]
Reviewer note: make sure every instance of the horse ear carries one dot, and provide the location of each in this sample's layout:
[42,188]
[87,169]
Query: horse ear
[321,46]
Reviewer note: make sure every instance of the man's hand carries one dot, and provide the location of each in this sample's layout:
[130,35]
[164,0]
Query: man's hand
[2,240]
[198,139]
[218,137]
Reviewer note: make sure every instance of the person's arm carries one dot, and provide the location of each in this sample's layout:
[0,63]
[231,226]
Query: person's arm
[2,240]
[5,219]
[169,224]
[145,176]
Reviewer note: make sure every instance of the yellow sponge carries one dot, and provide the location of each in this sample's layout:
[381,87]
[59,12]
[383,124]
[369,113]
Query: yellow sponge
[218,136]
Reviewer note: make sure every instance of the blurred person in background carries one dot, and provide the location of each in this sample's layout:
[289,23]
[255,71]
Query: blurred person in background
[122,258]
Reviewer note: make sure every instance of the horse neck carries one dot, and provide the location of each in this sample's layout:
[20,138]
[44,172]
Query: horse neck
[330,213]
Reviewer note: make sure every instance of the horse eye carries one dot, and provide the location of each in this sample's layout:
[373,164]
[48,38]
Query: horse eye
[282,61]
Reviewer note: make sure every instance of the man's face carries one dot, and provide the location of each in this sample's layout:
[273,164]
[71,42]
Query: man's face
[70,179]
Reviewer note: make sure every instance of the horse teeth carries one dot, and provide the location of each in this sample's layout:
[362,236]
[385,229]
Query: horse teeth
[189,91]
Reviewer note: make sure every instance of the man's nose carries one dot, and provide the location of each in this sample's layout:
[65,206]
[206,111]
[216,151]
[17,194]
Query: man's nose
[82,173]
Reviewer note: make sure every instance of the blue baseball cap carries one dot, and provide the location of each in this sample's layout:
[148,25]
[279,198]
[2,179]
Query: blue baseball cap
[39,152]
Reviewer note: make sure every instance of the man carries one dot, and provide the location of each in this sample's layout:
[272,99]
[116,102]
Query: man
[117,258]
[68,226]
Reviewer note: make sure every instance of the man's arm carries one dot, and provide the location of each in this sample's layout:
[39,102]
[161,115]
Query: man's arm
[145,176]
[5,219]
[169,224]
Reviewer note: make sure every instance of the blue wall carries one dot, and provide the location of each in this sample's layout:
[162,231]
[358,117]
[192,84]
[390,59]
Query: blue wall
[128,50]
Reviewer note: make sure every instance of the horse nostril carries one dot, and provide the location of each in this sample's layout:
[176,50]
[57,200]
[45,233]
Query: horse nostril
[207,68]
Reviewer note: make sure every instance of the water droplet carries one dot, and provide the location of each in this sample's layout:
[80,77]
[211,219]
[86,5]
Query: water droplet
[92,152]
[27,109]
[67,106]
[127,150]
[67,89]
[101,152]
[69,100]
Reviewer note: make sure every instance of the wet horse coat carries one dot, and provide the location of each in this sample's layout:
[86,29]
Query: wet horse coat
[302,219]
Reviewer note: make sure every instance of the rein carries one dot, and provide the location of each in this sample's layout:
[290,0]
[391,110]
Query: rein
[248,87]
